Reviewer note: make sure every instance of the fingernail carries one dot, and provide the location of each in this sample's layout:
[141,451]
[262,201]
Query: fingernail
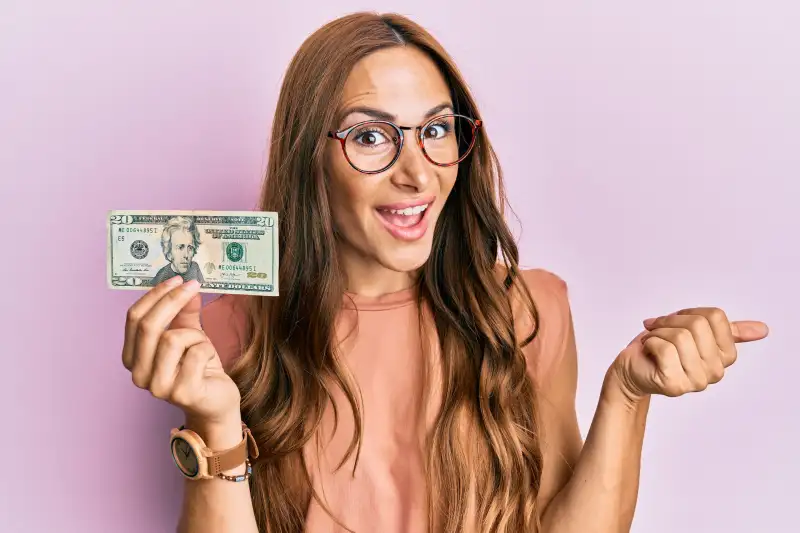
[191,285]
[649,322]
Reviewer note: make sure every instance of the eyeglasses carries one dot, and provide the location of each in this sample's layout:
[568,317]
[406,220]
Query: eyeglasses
[373,146]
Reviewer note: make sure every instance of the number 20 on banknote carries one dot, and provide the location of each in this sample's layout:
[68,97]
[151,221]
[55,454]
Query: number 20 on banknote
[228,252]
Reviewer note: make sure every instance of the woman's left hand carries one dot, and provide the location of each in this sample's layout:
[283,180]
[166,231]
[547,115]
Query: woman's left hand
[682,352]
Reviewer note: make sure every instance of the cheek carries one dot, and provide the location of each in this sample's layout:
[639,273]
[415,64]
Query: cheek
[451,178]
[350,201]
[351,193]
[447,180]
[340,190]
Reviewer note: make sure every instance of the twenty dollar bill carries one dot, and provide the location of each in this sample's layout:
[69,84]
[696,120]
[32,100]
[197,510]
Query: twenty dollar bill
[231,252]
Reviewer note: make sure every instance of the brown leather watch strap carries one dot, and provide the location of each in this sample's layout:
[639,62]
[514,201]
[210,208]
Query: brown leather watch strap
[229,459]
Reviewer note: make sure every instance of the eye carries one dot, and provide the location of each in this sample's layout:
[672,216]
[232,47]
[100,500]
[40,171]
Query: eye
[436,130]
[370,137]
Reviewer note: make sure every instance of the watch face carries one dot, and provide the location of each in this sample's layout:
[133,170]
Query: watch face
[184,457]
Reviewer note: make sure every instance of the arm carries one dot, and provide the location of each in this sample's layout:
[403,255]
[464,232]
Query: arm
[219,506]
[216,505]
[169,354]
[593,488]
[676,354]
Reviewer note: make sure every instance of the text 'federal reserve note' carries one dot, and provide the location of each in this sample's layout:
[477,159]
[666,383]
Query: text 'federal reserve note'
[228,252]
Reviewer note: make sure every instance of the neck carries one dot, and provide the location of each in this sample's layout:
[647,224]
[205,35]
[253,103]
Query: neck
[366,277]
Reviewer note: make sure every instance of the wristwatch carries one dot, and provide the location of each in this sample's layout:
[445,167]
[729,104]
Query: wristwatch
[196,461]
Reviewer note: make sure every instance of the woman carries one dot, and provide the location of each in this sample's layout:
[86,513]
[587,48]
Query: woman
[409,377]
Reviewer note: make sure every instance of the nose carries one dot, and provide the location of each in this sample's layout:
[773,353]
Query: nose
[413,171]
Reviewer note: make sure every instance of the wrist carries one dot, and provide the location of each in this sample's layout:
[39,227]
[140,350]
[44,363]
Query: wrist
[615,390]
[217,435]
[220,443]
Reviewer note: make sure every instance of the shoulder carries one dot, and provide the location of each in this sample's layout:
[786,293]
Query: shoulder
[545,284]
[550,296]
[225,322]
[548,291]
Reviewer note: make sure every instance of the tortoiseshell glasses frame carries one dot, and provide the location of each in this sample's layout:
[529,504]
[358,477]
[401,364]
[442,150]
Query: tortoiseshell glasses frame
[342,135]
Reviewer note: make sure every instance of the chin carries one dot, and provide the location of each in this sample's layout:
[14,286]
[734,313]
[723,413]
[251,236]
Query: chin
[409,260]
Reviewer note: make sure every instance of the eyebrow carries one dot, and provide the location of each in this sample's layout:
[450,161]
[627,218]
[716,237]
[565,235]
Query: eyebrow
[379,114]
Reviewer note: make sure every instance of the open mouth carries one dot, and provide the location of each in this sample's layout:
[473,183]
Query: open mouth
[405,222]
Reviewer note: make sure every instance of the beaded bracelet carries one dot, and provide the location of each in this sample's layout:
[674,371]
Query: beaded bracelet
[240,477]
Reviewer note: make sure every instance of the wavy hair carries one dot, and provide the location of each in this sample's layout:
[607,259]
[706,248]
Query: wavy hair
[484,466]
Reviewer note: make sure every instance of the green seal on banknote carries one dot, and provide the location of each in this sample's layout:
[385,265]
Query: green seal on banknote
[234,251]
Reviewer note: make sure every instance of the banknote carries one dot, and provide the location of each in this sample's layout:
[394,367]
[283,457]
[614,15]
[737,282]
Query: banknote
[228,252]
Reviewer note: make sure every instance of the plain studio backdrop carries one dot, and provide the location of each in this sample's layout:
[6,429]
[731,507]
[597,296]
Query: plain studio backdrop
[652,155]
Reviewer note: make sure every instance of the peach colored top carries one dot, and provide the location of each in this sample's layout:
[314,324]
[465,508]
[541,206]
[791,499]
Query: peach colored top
[385,355]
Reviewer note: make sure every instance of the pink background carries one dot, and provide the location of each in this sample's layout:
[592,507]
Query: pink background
[652,151]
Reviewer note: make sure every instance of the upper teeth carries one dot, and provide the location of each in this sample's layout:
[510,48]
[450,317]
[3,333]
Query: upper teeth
[409,210]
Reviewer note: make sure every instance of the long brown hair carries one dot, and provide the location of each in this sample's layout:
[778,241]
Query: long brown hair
[484,466]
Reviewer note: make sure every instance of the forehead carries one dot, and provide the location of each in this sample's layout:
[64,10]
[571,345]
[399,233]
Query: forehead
[401,80]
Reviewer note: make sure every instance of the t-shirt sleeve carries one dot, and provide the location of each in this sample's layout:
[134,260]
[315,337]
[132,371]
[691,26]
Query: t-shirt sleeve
[550,295]
[224,321]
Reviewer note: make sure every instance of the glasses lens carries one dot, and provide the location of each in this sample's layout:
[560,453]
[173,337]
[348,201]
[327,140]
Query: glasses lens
[448,138]
[372,146]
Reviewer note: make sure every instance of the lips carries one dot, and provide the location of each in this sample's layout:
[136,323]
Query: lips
[408,203]
[406,221]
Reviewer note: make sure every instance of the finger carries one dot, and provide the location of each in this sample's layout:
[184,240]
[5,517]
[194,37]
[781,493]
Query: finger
[729,333]
[669,374]
[726,333]
[153,325]
[189,315]
[741,330]
[710,353]
[188,382]
[749,330]
[721,327]
[137,311]
[648,322]
[688,354]
[167,360]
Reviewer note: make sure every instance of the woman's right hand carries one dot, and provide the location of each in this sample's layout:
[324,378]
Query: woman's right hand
[168,354]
